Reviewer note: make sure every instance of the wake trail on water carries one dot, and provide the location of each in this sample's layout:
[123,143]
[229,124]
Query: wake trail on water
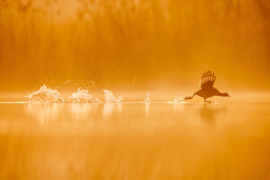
[45,94]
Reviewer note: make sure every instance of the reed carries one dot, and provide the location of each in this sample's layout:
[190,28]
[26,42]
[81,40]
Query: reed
[52,41]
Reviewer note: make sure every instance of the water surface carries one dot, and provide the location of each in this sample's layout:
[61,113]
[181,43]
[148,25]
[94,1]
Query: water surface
[134,141]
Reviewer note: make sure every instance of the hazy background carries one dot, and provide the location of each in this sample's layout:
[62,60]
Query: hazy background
[134,45]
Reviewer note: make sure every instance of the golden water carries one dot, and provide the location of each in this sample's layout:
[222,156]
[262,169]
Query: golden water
[135,141]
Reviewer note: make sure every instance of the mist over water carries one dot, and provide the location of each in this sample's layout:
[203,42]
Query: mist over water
[133,45]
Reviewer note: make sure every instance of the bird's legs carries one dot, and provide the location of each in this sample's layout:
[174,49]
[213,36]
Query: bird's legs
[207,101]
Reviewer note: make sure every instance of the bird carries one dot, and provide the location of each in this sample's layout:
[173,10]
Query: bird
[207,90]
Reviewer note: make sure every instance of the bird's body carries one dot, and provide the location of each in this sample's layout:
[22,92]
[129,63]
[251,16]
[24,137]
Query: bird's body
[207,89]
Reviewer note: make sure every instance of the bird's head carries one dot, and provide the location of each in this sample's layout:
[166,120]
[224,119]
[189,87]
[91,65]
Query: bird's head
[227,95]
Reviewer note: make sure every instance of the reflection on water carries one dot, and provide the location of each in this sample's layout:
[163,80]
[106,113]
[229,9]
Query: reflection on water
[147,106]
[134,141]
[44,112]
[109,108]
[208,115]
[49,112]
[80,111]
[72,112]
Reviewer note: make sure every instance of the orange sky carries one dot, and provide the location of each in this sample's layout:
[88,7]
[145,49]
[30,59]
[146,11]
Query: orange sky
[134,45]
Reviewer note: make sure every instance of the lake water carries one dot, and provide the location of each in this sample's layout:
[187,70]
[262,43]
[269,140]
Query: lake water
[135,141]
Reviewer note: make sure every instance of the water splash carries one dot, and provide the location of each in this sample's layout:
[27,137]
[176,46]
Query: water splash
[109,97]
[82,96]
[147,99]
[45,94]
[176,100]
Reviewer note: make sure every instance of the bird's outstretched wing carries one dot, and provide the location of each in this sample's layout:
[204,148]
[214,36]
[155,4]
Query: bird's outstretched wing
[207,80]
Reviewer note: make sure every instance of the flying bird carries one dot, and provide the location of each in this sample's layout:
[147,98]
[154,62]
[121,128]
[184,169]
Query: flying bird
[207,90]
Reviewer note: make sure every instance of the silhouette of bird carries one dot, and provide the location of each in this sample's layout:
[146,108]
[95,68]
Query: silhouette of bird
[207,90]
